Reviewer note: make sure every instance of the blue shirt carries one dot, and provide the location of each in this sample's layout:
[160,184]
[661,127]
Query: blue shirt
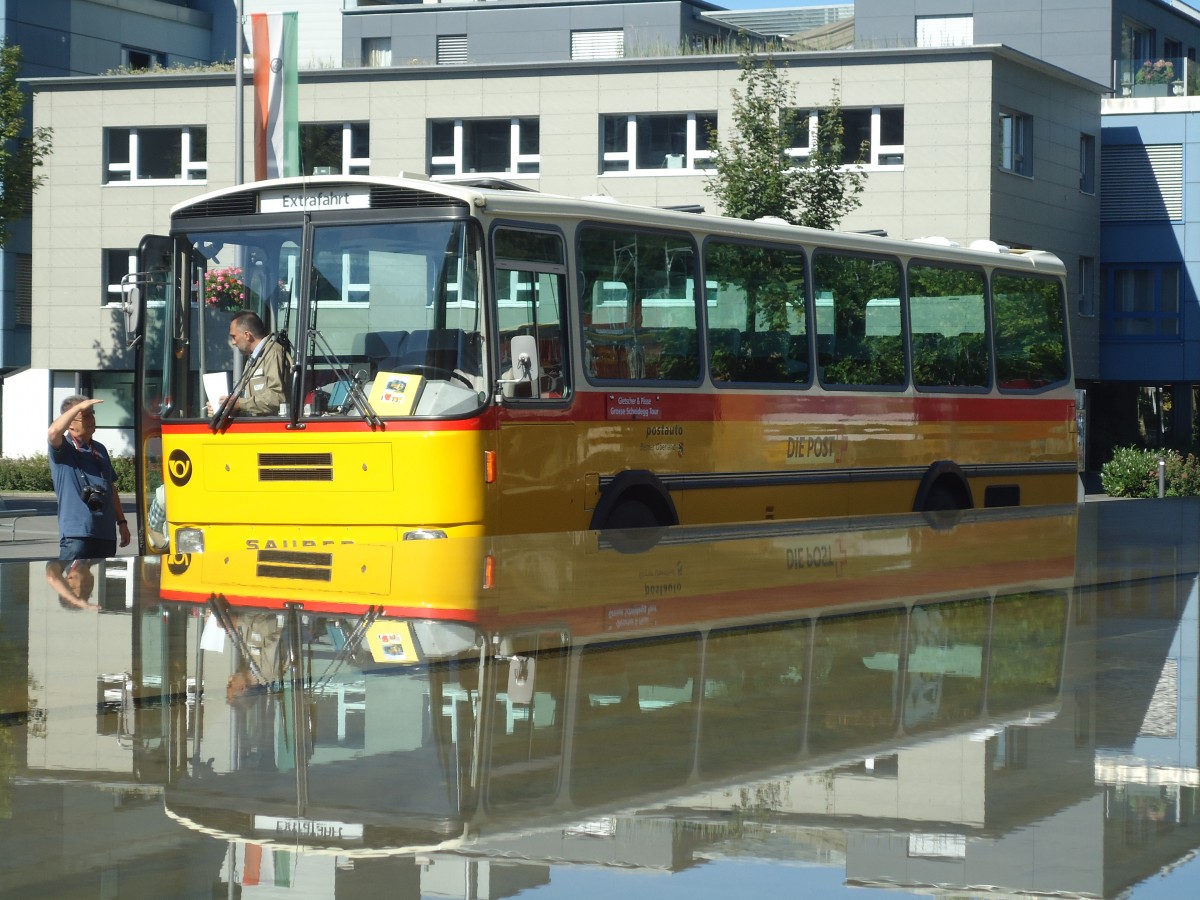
[70,468]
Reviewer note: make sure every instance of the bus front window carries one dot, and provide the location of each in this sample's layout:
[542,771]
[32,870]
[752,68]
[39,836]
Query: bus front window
[230,272]
[394,326]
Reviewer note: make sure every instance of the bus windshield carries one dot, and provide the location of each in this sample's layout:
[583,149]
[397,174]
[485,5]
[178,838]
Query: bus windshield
[382,319]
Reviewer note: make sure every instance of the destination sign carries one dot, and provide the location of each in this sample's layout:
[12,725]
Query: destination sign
[309,828]
[324,198]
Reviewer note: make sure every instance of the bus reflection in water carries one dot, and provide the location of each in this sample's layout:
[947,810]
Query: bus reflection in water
[351,703]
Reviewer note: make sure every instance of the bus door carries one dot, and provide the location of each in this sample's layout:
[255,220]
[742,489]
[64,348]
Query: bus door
[535,472]
[150,296]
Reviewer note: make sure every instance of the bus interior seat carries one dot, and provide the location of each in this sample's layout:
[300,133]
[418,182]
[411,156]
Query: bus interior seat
[380,346]
[443,349]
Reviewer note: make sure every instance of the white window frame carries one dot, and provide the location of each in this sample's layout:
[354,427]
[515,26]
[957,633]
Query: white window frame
[1087,163]
[876,152]
[376,52]
[1015,142]
[351,164]
[190,170]
[1087,287]
[598,43]
[112,289]
[516,158]
[694,160]
[945,31]
[157,58]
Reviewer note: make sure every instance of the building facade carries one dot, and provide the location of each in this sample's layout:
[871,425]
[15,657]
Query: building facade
[129,147]
[1144,319]
[1093,38]
[82,37]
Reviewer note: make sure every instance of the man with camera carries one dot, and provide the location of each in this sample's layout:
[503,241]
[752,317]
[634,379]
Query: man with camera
[89,509]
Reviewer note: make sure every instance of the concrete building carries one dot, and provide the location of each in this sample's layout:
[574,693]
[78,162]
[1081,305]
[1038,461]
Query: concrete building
[82,37]
[1139,320]
[1088,37]
[942,171]
[127,147]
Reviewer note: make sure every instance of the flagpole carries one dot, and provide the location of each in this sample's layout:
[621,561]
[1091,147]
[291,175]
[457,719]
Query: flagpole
[238,99]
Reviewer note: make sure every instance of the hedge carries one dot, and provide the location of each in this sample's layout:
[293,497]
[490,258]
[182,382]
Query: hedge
[32,473]
[1133,472]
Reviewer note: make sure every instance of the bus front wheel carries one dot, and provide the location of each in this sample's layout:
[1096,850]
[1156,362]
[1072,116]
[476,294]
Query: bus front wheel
[631,513]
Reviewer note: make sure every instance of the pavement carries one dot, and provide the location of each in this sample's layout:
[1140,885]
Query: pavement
[36,536]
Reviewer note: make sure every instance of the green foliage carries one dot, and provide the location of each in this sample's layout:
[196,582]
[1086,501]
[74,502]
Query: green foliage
[20,154]
[830,191]
[1133,472]
[32,473]
[754,174]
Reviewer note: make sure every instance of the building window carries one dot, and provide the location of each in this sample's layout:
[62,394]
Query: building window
[1016,142]
[23,310]
[945,31]
[877,133]
[451,49]
[1143,302]
[156,155]
[335,149]
[1087,286]
[116,389]
[1087,163]
[608,44]
[652,143]
[117,264]
[1137,41]
[484,146]
[135,60]
[377,51]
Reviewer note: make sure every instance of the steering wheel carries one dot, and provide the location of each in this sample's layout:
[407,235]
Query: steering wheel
[434,372]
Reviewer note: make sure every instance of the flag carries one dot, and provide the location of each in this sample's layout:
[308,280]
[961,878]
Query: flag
[276,127]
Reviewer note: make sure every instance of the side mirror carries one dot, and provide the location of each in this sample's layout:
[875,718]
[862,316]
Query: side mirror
[150,282]
[525,369]
[131,307]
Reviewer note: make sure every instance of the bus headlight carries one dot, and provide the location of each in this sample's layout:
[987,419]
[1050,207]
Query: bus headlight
[424,534]
[189,540]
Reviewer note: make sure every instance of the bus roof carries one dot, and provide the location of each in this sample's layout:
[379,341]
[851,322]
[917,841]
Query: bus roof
[502,198]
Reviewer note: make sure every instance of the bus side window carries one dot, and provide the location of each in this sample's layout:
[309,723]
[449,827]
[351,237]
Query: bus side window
[530,296]
[949,326]
[640,305]
[758,322]
[1031,344]
[859,319]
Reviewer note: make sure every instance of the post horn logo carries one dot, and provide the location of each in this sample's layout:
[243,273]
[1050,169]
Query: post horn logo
[178,563]
[179,467]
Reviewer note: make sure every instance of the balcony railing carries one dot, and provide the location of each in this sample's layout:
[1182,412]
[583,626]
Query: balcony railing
[1162,76]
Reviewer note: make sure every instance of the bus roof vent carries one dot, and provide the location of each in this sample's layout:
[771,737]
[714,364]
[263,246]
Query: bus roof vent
[937,240]
[238,203]
[387,197]
[988,246]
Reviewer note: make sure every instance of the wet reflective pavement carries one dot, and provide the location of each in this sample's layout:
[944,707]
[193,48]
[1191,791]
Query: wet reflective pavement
[1001,703]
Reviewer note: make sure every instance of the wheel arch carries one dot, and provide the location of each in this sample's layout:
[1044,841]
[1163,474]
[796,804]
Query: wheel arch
[642,486]
[943,476]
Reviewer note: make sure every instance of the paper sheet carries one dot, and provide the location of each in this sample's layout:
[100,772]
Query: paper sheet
[213,636]
[216,386]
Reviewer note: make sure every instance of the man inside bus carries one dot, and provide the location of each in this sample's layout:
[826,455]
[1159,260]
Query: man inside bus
[270,364]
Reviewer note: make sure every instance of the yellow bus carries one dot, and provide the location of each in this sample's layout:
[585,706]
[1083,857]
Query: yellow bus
[481,359]
[550,678]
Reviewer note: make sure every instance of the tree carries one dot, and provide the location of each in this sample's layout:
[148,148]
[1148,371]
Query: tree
[20,154]
[755,174]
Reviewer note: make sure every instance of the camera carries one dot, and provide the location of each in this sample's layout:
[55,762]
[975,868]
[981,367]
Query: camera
[94,497]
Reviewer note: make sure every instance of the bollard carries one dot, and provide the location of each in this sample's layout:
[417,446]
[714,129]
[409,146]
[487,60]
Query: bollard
[1162,478]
